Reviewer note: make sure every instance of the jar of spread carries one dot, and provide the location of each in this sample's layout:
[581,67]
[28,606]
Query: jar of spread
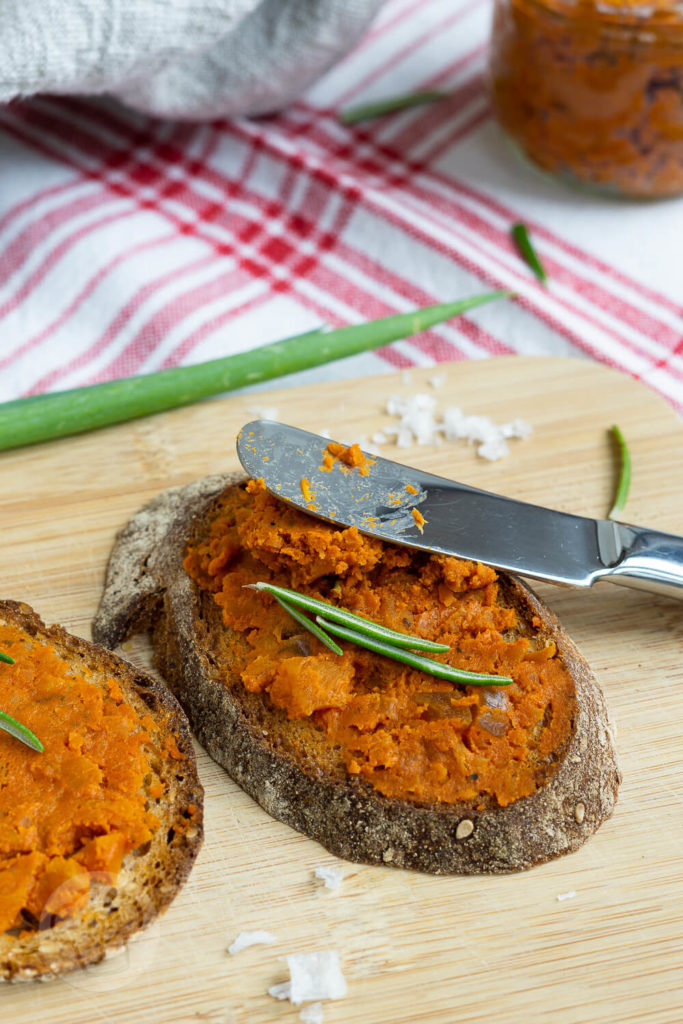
[592,90]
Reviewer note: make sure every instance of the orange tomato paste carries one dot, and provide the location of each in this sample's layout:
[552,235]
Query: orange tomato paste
[593,92]
[348,456]
[71,813]
[408,734]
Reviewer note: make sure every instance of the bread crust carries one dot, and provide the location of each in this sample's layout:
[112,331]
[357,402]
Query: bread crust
[147,585]
[149,879]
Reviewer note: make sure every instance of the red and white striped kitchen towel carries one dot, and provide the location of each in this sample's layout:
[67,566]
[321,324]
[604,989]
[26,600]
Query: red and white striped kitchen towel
[128,245]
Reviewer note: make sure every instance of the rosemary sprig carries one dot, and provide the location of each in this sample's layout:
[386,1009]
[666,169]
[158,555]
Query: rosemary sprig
[373,637]
[20,732]
[521,238]
[355,622]
[433,668]
[304,621]
[14,728]
[367,111]
[624,482]
[46,417]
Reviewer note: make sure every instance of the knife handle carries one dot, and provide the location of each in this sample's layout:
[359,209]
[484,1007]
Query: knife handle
[650,561]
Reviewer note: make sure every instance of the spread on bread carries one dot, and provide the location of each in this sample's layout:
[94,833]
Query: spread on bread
[70,815]
[410,736]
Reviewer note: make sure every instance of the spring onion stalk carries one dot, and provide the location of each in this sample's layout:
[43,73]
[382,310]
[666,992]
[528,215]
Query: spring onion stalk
[624,482]
[6,658]
[46,417]
[304,621]
[353,115]
[521,238]
[355,622]
[433,668]
[20,732]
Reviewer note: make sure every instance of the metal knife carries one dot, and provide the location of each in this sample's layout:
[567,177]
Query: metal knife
[406,506]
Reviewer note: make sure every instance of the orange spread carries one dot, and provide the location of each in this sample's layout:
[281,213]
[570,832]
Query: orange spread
[592,91]
[349,456]
[408,734]
[74,811]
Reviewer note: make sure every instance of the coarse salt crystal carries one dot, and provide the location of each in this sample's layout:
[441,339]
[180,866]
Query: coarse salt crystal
[332,877]
[419,424]
[566,895]
[312,976]
[517,428]
[312,1014]
[264,412]
[438,380]
[245,939]
[493,449]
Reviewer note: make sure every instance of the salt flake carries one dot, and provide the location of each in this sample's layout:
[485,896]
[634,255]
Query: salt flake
[312,976]
[332,877]
[312,1014]
[245,939]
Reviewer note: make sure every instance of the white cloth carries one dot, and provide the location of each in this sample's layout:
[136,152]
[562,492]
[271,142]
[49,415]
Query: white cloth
[185,59]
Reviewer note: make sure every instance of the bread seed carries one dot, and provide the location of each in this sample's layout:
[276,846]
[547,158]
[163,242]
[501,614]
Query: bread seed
[579,813]
[465,828]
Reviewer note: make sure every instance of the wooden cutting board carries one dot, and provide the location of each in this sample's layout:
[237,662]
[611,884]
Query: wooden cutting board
[593,937]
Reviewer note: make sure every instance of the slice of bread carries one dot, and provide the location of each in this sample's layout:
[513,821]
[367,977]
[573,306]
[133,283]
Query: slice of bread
[118,763]
[292,769]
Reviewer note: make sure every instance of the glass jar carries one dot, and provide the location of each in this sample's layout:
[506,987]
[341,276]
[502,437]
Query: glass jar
[592,90]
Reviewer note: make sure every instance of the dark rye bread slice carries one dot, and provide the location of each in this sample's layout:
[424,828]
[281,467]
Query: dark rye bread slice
[306,785]
[150,877]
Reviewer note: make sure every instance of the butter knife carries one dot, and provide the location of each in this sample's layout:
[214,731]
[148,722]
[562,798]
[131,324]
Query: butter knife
[406,506]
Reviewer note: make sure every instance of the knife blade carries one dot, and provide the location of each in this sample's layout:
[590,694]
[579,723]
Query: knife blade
[407,506]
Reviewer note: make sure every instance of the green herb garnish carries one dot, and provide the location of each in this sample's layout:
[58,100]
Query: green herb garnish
[356,622]
[365,112]
[304,621]
[20,732]
[14,728]
[373,637]
[521,238]
[46,417]
[433,668]
[624,483]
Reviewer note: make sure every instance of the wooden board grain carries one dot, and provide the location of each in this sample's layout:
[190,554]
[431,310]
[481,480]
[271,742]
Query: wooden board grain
[413,948]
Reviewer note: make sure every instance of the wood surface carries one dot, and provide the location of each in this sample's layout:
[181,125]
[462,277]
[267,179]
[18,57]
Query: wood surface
[507,949]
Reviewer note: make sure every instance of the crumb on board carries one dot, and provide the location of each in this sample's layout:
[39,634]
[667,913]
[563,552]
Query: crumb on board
[566,895]
[246,939]
[331,877]
[312,1014]
[312,977]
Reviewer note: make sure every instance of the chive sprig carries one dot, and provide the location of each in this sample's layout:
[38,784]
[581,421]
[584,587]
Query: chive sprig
[624,481]
[520,236]
[47,417]
[391,105]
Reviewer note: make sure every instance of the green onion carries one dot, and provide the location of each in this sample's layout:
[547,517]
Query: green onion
[434,668]
[310,626]
[389,106]
[356,622]
[6,658]
[624,482]
[46,417]
[520,236]
[20,732]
